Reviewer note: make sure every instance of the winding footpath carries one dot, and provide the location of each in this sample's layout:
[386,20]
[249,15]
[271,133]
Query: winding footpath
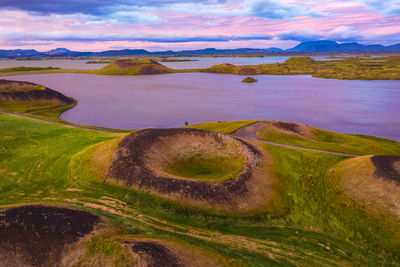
[249,132]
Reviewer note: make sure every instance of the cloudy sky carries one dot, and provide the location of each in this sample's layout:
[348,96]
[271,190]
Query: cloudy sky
[95,25]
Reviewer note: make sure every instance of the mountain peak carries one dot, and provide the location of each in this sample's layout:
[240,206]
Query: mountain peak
[58,50]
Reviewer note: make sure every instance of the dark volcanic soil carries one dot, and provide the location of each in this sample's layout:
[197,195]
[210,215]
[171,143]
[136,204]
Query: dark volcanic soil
[32,95]
[288,126]
[129,167]
[152,254]
[384,168]
[127,63]
[36,235]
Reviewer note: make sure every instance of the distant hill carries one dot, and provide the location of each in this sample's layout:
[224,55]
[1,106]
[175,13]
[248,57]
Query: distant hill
[334,47]
[58,51]
[319,47]
[18,53]
[214,51]
[134,67]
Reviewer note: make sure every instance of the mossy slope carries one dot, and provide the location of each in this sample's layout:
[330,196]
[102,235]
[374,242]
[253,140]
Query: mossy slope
[142,66]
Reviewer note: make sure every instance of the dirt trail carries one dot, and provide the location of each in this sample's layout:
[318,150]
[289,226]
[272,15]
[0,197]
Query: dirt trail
[249,132]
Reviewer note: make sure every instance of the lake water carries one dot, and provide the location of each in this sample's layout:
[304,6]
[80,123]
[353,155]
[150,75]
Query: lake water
[132,102]
[57,63]
[206,62]
[201,62]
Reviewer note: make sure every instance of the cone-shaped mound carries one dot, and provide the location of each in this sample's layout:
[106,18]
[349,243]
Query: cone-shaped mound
[300,60]
[186,163]
[134,67]
[26,92]
[37,235]
[373,182]
[291,133]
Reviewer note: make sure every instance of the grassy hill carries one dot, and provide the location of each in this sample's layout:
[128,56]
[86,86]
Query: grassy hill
[29,98]
[141,66]
[49,164]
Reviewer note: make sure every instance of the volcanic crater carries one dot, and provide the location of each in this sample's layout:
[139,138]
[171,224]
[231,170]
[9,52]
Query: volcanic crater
[190,164]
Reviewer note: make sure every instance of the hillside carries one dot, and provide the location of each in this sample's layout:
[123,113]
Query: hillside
[302,221]
[142,66]
[28,97]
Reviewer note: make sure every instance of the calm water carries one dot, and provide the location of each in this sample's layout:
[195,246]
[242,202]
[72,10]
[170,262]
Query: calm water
[131,102]
[206,62]
[58,63]
[202,62]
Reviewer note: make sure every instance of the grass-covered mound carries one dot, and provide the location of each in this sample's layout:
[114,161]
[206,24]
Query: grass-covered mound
[194,166]
[300,60]
[134,67]
[227,68]
[29,97]
[249,80]
[305,136]
[37,235]
[370,185]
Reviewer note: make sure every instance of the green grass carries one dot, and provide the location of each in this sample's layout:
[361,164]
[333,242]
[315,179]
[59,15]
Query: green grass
[40,162]
[336,142]
[26,69]
[198,167]
[350,68]
[225,127]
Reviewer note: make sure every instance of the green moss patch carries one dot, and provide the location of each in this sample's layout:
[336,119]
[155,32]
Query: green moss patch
[206,168]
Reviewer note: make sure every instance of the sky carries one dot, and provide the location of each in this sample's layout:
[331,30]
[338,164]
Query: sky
[157,25]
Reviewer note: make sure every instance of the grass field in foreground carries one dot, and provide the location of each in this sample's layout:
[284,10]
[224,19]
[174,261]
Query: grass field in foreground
[43,163]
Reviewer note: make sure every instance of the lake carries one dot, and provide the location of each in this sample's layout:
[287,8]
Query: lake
[200,62]
[206,62]
[168,100]
[57,63]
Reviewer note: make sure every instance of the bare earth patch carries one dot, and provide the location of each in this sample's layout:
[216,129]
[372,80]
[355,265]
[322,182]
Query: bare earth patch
[37,235]
[151,253]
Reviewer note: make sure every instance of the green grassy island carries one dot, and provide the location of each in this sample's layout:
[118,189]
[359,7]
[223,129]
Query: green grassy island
[249,80]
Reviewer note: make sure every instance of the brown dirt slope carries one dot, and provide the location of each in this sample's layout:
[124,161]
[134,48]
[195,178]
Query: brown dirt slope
[153,254]
[37,235]
[15,91]
[129,166]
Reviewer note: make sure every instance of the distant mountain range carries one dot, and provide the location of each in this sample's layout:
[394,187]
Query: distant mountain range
[312,47]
